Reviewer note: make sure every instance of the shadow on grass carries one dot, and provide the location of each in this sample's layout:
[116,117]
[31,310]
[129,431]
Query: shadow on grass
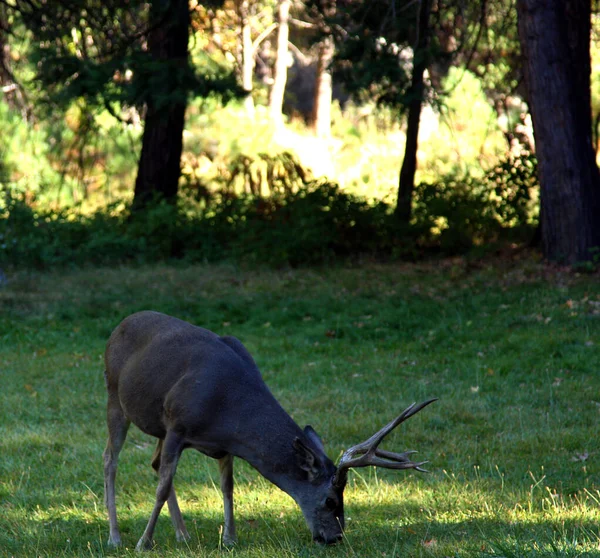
[410,530]
[382,530]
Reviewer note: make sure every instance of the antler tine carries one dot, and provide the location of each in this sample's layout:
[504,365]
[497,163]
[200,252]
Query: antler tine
[367,452]
[374,441]
[402,457]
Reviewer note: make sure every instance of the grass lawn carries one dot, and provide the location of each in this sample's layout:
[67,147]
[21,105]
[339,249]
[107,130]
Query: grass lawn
[512,350]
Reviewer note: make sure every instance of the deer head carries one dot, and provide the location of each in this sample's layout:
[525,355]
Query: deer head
[323,507]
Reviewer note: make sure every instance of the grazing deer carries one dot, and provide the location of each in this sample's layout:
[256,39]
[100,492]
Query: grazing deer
[191,388]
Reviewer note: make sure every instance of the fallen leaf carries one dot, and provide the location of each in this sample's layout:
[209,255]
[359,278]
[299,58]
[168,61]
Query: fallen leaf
[429,543]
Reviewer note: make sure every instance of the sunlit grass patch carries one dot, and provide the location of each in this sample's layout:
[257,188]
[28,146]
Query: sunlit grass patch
[511,350]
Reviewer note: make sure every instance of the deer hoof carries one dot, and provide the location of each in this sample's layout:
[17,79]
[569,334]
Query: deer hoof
[182,536]
[114,541]
[143,545]
[228,542]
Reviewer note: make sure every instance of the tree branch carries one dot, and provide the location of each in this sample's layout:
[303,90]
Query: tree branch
[263,36]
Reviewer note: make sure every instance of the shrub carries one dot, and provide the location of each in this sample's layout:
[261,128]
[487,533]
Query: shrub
[315,224]
[457,213]
[312,222]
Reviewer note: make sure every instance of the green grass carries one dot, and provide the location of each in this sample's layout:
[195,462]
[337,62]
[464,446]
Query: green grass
[511,349]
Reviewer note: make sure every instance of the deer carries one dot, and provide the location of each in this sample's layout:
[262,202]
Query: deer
[191,388]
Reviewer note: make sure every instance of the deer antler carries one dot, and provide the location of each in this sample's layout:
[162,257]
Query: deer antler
[366,453]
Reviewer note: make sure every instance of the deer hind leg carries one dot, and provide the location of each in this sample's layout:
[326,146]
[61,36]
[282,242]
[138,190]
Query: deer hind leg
[117,432]
[226,470]
[181,532]
[169,456]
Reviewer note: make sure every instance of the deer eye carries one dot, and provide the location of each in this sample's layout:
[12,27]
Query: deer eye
[330,503]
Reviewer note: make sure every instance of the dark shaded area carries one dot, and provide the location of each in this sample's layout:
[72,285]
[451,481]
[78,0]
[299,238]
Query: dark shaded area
[299,222]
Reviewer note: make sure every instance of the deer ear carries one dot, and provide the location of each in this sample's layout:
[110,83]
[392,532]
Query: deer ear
[307,459]
[314,437]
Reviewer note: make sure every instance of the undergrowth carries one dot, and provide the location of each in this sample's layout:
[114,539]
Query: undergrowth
[298,221]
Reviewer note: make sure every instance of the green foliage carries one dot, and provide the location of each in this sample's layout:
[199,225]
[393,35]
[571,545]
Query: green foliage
[301,221]
[99,53]
[261,175]
[463,136]
[105,58]
[24,154]
[316,224]
[33,238]
[460,212]
[374,49]
[514,190]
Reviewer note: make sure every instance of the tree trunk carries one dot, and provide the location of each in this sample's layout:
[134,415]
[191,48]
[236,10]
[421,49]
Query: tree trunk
[323,90]
[280,69]
[7,84]
[247,58]
[409,164]
[10,89]
[160,161]
[555,38]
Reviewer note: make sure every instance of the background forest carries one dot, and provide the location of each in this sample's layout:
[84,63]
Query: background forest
[286,132]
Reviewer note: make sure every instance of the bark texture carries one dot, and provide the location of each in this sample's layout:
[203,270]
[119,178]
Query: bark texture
[323,90]
[321,113]
[11,91]
[247,69]
[280,68]
[555,38]
[160,161]
[417,88]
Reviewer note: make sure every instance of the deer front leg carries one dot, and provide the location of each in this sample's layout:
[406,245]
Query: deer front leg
[226,470]
[169,457]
